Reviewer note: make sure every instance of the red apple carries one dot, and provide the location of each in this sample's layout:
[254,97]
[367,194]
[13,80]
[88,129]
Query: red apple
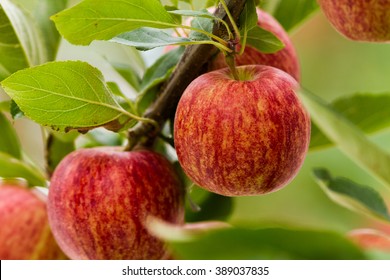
[25,232]
[99,199]
[242,137]
[285,59]
[360,20]
[370,239]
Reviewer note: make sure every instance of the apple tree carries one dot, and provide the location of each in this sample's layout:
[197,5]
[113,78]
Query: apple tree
[180,129]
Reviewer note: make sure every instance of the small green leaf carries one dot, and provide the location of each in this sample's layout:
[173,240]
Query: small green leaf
[40,11]
[290,13]
[205,24]
[11,167]
[351,195]
[147,98]
[144,39]
[102,20]
[177,18]
[9,142]
[265,244]
[57,150]
[263,40]
[17,22]
[15,111]
[160,70]
[125,102]
[129,74]
[248,17]
[367,111]
[349,138]
[155,75]
[12,57]
[66,95]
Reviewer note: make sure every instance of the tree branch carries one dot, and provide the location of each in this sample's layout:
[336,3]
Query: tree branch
[191,65]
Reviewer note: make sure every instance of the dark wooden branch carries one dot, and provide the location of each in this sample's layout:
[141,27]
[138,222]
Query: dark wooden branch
[189,67]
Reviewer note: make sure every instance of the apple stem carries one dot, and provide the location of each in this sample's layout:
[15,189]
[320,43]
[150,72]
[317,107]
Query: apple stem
[231,62]
[191,65]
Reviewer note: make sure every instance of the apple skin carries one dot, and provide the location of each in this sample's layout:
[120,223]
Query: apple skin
[25,232]
[100,198]
[359,20]
[286,59]
[242,138]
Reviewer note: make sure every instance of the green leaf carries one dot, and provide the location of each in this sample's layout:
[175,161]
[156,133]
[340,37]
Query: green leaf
[144,39]
[349,138]
[129,74]
[353,196]
[11,167]
[57,150]
[204,24]
[160,71]
[41,13]
[248,17]
[266,244]
[125,102]
[263,40]
[9,142]
[367,111]
[177,18]
[290,13]
[12,56]
[41,10]
[66,95]
[15,111]
[102,20]
[21,31]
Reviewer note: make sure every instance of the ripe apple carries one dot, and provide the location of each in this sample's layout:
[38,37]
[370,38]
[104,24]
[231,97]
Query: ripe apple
[359,20]
[25,232]
[242,137]
[286,59]
[99,199]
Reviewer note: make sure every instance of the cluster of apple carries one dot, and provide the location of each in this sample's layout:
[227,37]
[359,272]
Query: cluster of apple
[234,137]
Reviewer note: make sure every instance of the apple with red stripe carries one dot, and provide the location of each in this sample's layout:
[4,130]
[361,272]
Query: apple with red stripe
[25,232]
[285,59]
[242,137]
[100,199]
[359,20]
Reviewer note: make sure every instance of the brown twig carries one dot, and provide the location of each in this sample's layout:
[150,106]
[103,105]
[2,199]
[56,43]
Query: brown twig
[189,67]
